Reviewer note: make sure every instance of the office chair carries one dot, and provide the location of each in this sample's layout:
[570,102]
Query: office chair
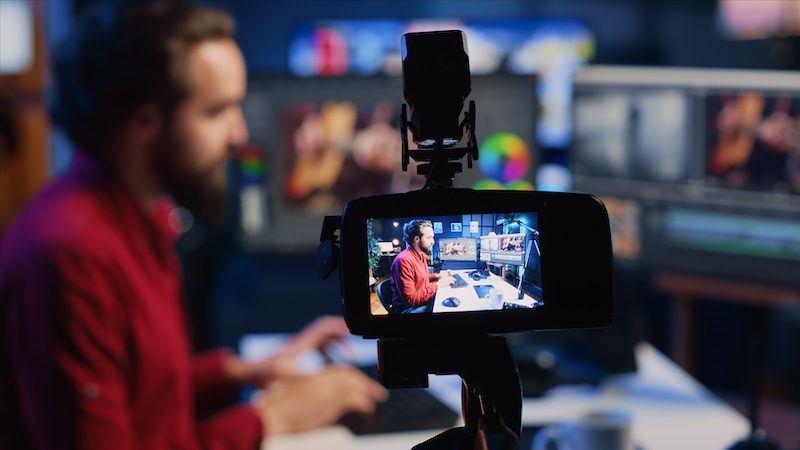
[384,290]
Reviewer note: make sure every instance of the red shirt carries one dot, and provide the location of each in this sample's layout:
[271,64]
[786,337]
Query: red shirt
[94,348]
[411,283]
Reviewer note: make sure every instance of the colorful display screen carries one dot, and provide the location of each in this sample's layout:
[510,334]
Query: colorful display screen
[470,262]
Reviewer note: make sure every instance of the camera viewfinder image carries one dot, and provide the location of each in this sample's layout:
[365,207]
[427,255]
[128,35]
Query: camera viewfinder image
[491,264]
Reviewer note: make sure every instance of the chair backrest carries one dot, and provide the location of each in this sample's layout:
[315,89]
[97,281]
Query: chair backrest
[384,290]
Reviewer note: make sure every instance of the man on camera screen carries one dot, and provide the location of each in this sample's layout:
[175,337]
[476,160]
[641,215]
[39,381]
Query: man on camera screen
[412,286]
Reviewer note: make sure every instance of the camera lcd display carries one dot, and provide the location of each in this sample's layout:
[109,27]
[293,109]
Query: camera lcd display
[488,262]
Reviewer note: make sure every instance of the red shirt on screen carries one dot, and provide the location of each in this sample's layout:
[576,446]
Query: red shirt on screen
[412,285]
[94,348]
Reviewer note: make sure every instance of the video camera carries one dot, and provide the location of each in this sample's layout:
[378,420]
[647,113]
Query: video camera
[543,260]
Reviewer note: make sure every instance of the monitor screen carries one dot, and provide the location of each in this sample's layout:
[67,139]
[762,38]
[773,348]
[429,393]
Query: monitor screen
[412,282]
[503,248]
[458,249]
[386,247]
[641,133]
[753,141]
[329,140]
[699,169]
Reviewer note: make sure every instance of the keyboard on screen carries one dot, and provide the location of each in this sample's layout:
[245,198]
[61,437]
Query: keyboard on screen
[459,281]
[507,305]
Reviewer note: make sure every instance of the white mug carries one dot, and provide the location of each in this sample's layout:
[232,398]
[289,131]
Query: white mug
[600,430]
[496,298]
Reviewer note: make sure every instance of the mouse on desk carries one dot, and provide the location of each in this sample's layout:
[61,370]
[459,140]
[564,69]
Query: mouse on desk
[451,302]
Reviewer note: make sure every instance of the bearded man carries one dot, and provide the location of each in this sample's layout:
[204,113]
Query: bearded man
[413,287]
[94,344]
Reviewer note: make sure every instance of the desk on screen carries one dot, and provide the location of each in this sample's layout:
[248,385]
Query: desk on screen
[469,297]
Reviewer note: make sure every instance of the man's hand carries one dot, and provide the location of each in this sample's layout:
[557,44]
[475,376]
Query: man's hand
[313,401]
[319,336]
[446,281]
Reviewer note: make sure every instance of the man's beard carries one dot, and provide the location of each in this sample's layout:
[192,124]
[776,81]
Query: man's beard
[200,190]
[427,250]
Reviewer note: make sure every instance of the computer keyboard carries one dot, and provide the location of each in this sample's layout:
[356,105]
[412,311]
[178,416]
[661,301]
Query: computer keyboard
[406,409]
[507,305]
[459,281]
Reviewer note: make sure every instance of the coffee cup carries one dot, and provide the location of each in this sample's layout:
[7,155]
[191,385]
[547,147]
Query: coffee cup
[496,298]
[598,430]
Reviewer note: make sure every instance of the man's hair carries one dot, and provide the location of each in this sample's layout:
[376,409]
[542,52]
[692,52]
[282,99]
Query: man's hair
[414,228]
[123,55]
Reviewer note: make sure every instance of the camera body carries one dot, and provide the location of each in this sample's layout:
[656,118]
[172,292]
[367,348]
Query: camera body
[528,260]
[569,243]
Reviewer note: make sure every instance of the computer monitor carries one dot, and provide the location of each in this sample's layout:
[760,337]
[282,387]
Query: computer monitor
[503,248]
[700,168]
[512,249]
[489,245]
[458,249]
[328,140]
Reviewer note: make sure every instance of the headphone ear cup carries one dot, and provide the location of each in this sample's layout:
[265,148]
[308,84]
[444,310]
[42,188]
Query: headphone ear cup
[327,258]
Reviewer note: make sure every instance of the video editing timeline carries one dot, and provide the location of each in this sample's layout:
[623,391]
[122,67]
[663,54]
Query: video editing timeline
[330,140]
[503,248]
[714,189]
[489,252]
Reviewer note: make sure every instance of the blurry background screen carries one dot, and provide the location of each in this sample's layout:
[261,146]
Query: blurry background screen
[329,140]
[641,133]
[699,170]
[16,36]
[551,48]
[758,19]
[752,140]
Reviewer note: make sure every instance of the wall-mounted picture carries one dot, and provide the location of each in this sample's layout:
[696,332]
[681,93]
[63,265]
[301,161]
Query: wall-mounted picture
[474,227]
[455,227]
[437,227]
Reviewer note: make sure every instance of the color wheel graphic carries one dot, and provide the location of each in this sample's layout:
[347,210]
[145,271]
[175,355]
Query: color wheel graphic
[504,161]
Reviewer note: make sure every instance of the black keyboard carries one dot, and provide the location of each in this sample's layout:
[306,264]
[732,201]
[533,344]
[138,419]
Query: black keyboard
[507,305]
[407,409]
[459,281]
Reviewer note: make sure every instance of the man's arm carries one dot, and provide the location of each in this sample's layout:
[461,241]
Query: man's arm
[69,349]
[215,380]
[437,276]
[413,296]
[73,361]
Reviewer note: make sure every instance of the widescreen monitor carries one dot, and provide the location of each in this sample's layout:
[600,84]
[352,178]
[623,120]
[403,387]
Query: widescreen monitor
[329,140]
[458,249]
[700,168]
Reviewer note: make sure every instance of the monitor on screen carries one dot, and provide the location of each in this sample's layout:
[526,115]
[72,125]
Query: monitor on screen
[458,249]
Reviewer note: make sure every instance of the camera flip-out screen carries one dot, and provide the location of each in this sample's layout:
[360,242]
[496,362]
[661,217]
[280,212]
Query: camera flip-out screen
[464,261]
[454,263]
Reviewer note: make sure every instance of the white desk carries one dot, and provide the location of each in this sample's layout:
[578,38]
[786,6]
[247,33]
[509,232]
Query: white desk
[468,297]
[670,410]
